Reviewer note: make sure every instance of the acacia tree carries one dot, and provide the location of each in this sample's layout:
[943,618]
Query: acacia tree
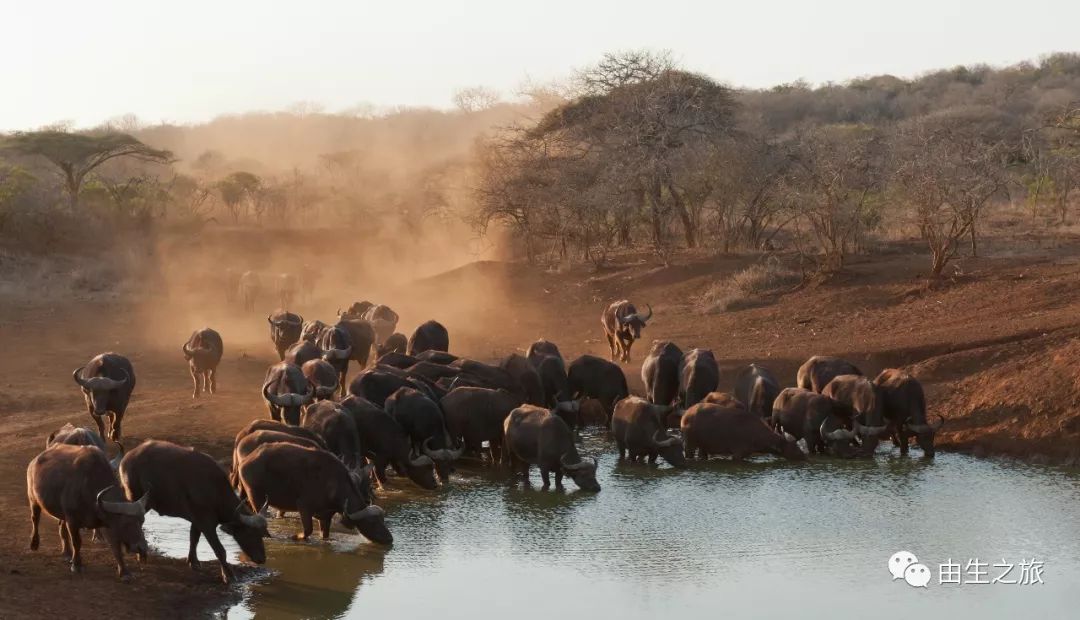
[76,155]
[235,188]
[948,166]
[834,186]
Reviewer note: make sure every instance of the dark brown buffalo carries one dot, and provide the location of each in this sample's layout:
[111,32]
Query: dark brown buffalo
[303,352]
[396,342]
[622,326]
[337,348]
[726,399]
[285,330]
[593,377]
[904,407]
[714,429]
[432,372]
[699,374]
[640,428]
[282,475]
[203,351]
[357,310]
[270,425]
[857,397]
[383,320]
[387,443]
[550,365]
[818,371]
[397,360]
[185,483]
[107,382]
[321,374]
[475,416]
[660,372]
[286,390]
[361,337]
[757,387]
[77,487]
[526,378]
[328,420]
[430,336]
[535,436]
[423,421]
[436,357]
[311,330]
[379,383]
[809,416]
[247,444]
[75,436]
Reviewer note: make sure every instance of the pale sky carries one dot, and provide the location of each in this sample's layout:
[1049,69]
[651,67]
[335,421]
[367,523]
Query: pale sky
[186,61]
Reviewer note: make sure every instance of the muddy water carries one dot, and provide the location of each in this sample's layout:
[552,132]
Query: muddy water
[765,539]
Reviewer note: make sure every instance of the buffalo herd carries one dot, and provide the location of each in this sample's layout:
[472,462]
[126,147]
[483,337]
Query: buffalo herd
[417,409]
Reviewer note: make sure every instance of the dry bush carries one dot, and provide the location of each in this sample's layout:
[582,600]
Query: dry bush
[747,288]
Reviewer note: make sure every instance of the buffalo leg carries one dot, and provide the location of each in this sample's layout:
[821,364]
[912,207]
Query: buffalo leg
[305,520]
[65,543]
[558,479]
[341,381]
[210,533]
[212,376]
[652,458]
[76,546]
[35,518]
[100,423]
[611,345]
[114,424]
[195,380]
[324,525]
[121,568]
[903,442]
[544,476]
[192,554]
[275,413]
[622,449]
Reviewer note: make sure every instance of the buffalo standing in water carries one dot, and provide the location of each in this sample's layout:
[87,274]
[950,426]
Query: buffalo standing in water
[203,351]
[185,483]
[713,429]
[660,372]
[107,382]
[818,371]
[809,416]
[640,427]
[77,486]
[387,443]
[904,407]
[594,377]
[699,375]
[622,326]
[757,388]
[536,436]
[857,397]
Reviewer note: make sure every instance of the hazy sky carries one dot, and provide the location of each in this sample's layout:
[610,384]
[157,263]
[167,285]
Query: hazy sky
[191,60]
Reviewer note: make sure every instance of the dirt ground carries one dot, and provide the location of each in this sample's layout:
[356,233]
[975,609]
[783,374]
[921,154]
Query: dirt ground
[995,345]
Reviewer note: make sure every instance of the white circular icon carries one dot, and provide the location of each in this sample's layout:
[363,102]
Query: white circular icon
[899,562]
[917,575]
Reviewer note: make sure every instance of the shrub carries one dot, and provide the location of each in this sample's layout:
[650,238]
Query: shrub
[746,288]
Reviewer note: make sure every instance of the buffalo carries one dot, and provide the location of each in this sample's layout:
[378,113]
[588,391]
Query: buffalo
[379,383]
[397,360]
[528,381]
[287,286]
[475,415]
[429,336]
[311,330]
[387,443]
[640,427]
[270,425]
[337,429]
[904,407]
[592,377]
[77,486]
[757,388]
[857,397]
[395,342]
[203,351]
[699,375]
[286,390]
[337,348]
[435,356]
[303,352]
[809,416]
[383,320]
[550,365]
[75,436]
[249,288]
[819,370]
[185,483]
[660,372]
[423,421]
[714,429]
[535,436]
[323,376]
[622,326]
[107,382]
[281,475]
[285,330]
[361,337]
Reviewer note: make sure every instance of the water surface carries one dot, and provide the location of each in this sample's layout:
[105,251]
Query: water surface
[764,539]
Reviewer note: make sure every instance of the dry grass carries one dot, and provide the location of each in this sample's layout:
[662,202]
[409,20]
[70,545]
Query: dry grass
[747,288]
